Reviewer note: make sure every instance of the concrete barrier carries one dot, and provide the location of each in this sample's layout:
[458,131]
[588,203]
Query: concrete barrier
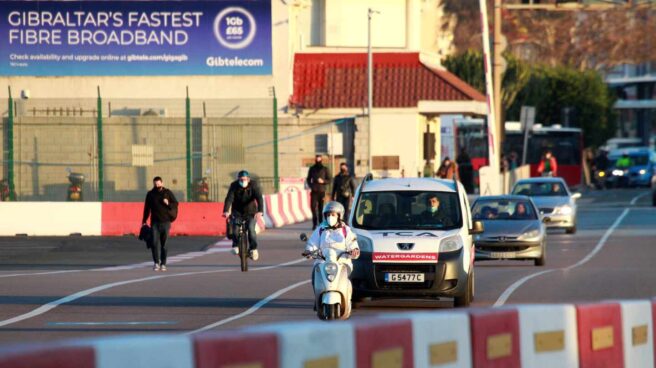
[236,350]
[600,335]
[607,334]
[637,334]
[548,336]
[50,218]
[495,338]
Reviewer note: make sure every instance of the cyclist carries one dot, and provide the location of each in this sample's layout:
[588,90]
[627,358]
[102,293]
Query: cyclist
[548,166]
[244,199]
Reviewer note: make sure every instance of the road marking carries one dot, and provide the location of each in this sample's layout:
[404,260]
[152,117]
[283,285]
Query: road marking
[511,289]
[54,304]
[634,200]
[39,273]
[251,310]
[116,323]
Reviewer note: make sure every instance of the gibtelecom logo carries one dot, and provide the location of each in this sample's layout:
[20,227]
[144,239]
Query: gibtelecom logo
[235,28]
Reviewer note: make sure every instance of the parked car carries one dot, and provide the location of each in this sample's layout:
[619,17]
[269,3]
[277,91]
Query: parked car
[554,200]
[416,240]
[514,229]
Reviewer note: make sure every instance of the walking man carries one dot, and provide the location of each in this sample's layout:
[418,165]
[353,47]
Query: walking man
[162,208]
[343,189]
[317,179]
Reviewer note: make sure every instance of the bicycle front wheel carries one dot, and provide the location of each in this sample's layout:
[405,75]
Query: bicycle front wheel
[243,252]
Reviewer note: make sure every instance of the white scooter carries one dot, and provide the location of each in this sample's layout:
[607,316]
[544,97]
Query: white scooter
[332,287]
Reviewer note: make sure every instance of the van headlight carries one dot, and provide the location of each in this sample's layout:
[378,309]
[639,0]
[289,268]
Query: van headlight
[564,210]
[331,271]
[365,244]
[451,244]
[530,234]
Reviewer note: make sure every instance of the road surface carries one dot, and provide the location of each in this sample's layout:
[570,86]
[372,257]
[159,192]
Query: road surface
[79,287]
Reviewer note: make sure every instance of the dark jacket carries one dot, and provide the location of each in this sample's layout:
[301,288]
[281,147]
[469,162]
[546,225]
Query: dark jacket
[317,171]
[155,208]
[343,186]
[245,201]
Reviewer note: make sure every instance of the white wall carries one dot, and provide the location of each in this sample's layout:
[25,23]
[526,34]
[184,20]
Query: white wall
[395,133]
[50,218]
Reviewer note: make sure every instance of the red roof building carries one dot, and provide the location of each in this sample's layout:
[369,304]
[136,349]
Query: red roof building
[401,80]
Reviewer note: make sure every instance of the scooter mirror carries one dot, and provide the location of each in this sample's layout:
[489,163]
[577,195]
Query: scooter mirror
[303,237]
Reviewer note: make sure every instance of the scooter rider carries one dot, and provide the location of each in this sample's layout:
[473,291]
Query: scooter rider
[334,233]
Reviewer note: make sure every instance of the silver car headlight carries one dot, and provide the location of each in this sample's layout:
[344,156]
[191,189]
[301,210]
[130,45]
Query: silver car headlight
[564,210]
[451,244]
[530,234]
[365,244]
[331,270]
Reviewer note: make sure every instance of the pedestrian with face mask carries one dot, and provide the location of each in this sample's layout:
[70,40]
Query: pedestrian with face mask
[343,188]
[317,179]
[162,208]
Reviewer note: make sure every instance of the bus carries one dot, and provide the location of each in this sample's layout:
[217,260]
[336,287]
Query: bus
[566,144]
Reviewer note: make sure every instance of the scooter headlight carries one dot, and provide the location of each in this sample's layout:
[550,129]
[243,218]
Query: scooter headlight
[331,271]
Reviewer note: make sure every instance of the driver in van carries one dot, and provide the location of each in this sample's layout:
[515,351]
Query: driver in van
[433,215]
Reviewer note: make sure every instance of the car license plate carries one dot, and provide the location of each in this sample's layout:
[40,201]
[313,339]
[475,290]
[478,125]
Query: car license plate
[404,277]
[503,255]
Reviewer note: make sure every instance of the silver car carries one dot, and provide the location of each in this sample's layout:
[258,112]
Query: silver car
[554,200]
[513,229]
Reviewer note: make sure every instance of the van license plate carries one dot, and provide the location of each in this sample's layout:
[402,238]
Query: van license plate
[404,277]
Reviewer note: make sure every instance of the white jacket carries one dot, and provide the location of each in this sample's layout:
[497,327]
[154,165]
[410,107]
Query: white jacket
[341,238]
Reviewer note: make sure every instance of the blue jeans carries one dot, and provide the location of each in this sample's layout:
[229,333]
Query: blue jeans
[160,235]
[252,235]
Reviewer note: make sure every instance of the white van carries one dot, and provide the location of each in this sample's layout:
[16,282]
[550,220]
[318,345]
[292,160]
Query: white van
[408,249]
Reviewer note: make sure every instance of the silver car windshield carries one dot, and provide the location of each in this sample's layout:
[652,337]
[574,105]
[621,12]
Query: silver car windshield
[503,209]
[542,189]
[411,210]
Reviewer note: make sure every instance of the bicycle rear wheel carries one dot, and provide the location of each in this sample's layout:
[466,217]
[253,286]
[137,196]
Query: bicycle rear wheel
[243,252]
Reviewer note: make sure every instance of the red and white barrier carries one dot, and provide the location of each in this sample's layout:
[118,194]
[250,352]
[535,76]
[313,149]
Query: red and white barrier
[383,343]
[600,335]
[235,350]
[311,344]
[440,339]
[637,334]
[608,334]
[548,336]
[287,208]
[305,204]
[145,351]
[495,338]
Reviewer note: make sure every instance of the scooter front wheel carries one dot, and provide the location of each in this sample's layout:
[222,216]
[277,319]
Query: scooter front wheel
[330,311]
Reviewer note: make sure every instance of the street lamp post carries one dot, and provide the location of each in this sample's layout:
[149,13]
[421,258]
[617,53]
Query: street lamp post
[370,80]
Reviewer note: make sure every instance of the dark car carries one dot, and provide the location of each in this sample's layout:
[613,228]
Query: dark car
[513,227]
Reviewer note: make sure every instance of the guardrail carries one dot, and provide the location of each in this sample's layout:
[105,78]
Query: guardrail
[605,334]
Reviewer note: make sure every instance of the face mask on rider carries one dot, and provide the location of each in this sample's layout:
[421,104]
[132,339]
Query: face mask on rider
[332,220]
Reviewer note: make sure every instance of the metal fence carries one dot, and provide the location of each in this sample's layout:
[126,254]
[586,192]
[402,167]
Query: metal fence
[119,145]
[197,146]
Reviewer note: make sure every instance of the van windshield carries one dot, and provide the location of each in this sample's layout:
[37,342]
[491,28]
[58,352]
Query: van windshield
[407,210]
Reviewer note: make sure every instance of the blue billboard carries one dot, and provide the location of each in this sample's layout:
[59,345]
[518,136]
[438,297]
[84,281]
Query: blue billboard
[122,38]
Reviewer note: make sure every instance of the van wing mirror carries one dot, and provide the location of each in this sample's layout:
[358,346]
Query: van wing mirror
[477,228]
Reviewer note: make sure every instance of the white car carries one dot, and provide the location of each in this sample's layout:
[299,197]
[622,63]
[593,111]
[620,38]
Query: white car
[407,250]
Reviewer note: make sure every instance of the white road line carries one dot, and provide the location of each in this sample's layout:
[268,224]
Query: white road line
[39,273]
[634,200]
[251,310]
[54,304]
[511,289]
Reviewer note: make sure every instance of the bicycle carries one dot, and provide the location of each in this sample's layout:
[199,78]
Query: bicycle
[242,239]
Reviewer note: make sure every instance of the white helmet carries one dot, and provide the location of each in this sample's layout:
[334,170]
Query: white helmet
[334,206]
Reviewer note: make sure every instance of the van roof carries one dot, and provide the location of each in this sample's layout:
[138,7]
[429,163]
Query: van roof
[409,184]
